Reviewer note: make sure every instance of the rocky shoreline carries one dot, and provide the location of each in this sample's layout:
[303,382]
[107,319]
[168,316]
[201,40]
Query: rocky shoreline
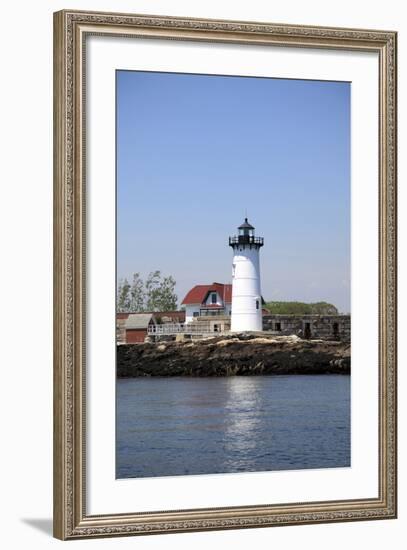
[237,355]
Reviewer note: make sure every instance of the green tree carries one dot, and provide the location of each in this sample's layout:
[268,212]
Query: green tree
[123,296]
[301,308]
[160,292]
[157,293]
[323,308]
[137,293]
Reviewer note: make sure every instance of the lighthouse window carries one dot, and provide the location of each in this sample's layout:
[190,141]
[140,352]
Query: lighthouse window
[257,304]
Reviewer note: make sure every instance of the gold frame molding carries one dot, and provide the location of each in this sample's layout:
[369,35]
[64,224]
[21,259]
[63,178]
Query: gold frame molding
[70,31]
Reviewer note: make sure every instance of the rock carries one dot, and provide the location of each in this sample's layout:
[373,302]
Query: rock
[241,354]
[262,341]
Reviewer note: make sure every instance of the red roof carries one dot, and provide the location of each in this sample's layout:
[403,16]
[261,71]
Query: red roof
[198,294]
[122,315]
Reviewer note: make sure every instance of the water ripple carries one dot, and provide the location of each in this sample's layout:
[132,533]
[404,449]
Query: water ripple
[178,426]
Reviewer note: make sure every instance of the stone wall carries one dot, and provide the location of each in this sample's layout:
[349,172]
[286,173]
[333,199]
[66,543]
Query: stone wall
[212,323]
[327,327]
[120,330]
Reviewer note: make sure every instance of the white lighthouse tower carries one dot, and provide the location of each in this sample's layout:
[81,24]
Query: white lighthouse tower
[246,293]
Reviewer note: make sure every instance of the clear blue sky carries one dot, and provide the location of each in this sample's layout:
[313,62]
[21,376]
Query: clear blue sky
[194,152]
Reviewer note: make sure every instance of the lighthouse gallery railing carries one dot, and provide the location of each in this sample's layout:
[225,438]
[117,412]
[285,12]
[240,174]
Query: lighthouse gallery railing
[246,239]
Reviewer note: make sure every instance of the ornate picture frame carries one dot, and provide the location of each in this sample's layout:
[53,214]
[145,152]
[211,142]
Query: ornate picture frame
[71,518]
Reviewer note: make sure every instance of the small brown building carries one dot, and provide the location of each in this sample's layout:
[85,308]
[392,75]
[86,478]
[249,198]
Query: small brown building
[136,327]
[135,333]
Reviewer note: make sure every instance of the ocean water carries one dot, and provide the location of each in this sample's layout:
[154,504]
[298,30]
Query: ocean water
[185,425]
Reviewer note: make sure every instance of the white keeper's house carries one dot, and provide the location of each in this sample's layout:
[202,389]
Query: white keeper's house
[207,301]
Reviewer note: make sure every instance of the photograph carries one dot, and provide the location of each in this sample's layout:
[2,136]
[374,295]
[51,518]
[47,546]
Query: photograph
[225,300]
[233,274]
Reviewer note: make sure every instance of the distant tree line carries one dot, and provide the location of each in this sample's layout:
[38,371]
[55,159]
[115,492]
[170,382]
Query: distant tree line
[301,308]
[156,293]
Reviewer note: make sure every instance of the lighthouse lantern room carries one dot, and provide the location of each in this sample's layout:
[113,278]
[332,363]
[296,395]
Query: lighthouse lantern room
[246,292]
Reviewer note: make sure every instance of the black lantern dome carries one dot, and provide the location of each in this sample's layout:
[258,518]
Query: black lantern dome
[246,237]
[246,225]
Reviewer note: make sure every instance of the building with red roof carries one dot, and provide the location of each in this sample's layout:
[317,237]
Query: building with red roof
[207,300]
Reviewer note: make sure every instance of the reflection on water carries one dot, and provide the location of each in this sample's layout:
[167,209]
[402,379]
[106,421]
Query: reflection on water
[178,426]
[243,408]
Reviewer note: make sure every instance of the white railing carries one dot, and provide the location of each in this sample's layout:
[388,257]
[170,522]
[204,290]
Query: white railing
[181,328]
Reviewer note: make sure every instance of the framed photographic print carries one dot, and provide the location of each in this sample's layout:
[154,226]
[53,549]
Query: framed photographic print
[225,274]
